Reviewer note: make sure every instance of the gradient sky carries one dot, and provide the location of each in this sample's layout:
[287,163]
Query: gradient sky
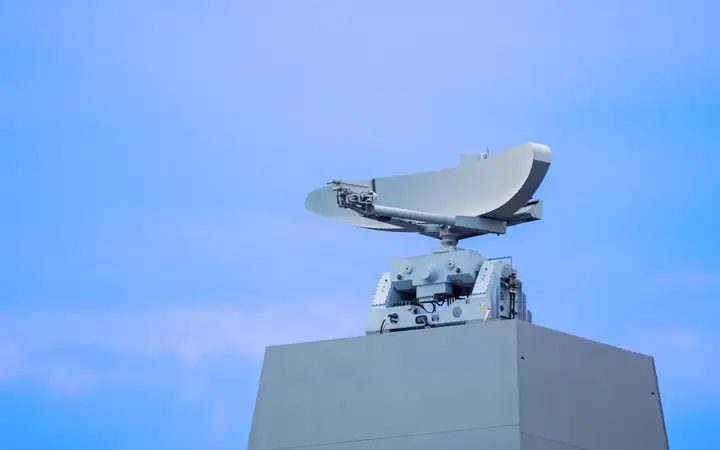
[156,157]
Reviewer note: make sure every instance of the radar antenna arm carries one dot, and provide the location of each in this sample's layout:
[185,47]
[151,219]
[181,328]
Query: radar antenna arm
[363,202]
[469,223]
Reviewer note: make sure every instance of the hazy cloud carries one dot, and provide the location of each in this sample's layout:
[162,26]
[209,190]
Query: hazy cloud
[687,279]
[187,335]
[191,336]
[9,360]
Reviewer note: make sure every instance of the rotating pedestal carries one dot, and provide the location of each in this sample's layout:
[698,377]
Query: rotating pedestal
[504,385]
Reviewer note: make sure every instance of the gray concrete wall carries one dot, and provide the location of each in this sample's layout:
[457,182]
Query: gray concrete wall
[587,394]
[456,384]
[497,386]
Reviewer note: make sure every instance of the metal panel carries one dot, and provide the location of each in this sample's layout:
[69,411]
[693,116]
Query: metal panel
[497,438]
[501,385]
[382,292]
[528,442]
[417,385]
[587,394]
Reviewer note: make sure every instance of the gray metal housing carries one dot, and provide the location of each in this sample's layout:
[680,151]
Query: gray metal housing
[502,385]
[420,278]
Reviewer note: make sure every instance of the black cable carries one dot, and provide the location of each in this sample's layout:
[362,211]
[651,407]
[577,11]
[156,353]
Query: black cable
[511,313]
[418,304]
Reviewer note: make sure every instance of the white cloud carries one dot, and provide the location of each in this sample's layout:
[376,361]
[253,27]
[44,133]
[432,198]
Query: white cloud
[61,377]
[9,360]
[188,335]
[687,279]
[688,360]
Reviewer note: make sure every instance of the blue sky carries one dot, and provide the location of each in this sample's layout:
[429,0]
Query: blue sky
[156,156]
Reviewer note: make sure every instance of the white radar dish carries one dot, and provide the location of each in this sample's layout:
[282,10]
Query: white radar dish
[496,190]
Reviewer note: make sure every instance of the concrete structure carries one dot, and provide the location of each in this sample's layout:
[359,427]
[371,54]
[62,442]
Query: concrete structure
[499,385]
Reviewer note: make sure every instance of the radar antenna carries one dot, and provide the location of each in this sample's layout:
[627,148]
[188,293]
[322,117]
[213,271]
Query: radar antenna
[483,195]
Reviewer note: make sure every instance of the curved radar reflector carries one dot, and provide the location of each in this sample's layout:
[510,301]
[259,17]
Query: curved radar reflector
[495,187]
